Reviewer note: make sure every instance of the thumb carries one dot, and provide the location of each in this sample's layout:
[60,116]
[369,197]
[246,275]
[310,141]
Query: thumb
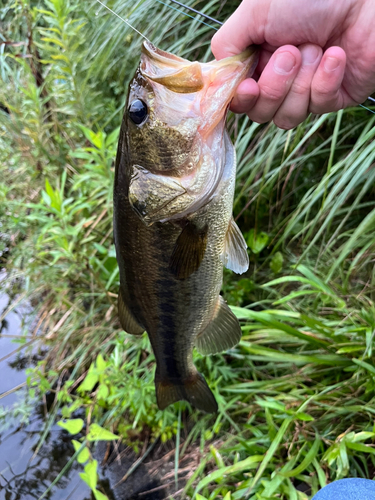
[244,27]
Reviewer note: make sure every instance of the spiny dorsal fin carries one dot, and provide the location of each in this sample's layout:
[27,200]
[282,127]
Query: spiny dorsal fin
[222,333]
[127,320]
[189,251]
[235,255]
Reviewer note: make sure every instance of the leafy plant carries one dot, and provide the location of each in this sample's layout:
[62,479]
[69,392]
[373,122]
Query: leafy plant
[296,396]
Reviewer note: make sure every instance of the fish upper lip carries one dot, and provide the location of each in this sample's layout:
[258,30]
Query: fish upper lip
[162,56]
[150,50]
[252,50]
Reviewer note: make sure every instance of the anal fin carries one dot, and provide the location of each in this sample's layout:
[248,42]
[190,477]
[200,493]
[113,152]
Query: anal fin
[222,333]
[193,389]
[235,255]
[127,320]
[189,251]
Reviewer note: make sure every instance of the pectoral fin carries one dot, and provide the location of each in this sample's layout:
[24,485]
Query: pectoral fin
[127,320]
[189,251]
[235,255]
[222,333]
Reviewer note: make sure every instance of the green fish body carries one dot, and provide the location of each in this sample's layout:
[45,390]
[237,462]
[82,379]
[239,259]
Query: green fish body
[173,225]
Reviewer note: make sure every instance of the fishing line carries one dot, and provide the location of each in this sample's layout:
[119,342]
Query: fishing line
[198,12]
[199,20]
[368,109]
[186,14]
[124,20]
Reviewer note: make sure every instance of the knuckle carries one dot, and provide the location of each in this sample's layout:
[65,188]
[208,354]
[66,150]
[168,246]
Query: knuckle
[271,93]
[300,88]
[322,90]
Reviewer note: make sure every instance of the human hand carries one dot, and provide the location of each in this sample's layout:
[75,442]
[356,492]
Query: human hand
[316,56]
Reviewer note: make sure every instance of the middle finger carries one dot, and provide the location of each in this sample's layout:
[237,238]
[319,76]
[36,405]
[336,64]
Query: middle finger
[275,82]
[294,108]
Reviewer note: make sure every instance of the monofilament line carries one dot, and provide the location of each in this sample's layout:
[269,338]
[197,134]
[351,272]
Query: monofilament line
[186,14]
[124,20]
[197,12]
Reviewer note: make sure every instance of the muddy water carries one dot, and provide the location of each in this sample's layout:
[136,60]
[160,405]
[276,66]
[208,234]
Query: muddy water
[25,477]
[21,476]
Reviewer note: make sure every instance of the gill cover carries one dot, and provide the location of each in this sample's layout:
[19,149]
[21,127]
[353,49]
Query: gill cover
[178,154]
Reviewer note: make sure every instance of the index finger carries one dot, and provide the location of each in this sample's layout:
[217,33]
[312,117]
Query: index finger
[244,27]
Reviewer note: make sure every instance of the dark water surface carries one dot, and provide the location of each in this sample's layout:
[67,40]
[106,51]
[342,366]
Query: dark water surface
[25,477]
[21,477]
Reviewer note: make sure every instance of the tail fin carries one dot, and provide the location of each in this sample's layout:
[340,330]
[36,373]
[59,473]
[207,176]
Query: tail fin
[194,389]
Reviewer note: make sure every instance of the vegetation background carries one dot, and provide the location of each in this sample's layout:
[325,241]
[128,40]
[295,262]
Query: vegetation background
[296,396]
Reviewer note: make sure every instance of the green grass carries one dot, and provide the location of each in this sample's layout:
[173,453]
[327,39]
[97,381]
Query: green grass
[296,397]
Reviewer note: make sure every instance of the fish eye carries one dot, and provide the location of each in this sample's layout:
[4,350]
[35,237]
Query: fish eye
[138,111]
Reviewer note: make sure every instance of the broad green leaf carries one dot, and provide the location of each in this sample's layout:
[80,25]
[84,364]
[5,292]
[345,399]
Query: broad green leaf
[94,138]
[90,381]
[256,240]
[362,436]
[73,426]
[90,475]
[304,416]
[97,433]
[49,190]
[99,496]
[84,455]
[101,365]
[363,448]
[276,263]
[102,392]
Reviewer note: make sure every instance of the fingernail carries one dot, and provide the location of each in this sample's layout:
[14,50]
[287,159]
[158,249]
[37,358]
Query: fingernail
[331,63]
[310,54]
[284,63]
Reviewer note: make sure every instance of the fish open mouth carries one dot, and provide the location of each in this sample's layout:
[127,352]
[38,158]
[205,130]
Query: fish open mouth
[182,76]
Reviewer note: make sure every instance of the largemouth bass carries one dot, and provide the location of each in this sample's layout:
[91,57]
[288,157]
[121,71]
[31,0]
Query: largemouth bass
[173,225]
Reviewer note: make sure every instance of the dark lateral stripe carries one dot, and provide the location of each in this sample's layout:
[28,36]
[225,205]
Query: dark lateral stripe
[167,308]
[168,334]
[165,283]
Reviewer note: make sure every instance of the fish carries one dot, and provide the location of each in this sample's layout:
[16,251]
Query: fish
[173,225]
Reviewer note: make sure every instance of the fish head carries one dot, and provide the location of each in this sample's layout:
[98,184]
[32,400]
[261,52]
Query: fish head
[173,104]
[175,113]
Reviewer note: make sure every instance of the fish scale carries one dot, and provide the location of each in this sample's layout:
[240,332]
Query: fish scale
[171,245]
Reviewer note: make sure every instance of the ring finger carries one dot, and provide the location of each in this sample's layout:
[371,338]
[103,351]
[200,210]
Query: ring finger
[294,108]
